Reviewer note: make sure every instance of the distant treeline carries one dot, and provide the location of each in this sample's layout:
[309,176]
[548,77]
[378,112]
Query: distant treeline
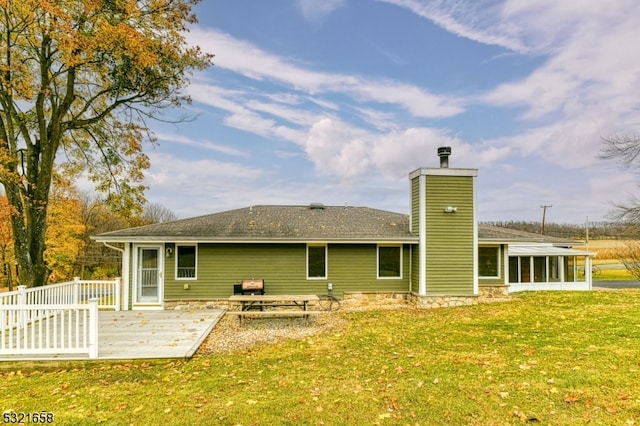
[597,230]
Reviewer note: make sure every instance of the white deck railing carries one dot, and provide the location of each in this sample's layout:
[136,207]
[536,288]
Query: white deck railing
[68,293]
[59,329]
[55,319]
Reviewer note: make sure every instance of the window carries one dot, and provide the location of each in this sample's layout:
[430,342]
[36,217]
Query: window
[316,262]
[525,269]
[489,262]
[540,269]
[389,262]
[185,262]
[514,269]
[554,269]
[570,268]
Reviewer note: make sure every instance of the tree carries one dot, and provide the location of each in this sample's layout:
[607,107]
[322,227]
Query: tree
[82,78]
[626,151]
[157,213]
[629,255]
[6,243]
[65,231]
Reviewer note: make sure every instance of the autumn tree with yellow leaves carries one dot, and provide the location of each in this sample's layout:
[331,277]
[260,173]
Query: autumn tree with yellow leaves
[82,78]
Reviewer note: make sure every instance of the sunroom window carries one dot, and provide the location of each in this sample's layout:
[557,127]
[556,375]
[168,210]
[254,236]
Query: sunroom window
[186,262]
[389,262]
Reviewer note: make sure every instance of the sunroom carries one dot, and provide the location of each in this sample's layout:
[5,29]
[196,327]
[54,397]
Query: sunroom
[547,267]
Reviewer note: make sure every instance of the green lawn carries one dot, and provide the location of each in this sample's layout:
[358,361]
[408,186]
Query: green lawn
[561,358]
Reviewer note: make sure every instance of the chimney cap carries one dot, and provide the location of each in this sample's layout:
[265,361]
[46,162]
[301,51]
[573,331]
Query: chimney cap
[444,151]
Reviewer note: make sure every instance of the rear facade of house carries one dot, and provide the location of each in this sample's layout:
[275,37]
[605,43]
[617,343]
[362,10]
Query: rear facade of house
[434,253]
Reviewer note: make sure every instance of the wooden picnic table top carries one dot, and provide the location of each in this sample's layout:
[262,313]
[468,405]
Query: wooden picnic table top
[273,298]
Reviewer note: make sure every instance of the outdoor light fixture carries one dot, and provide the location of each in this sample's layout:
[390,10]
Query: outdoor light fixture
[451,209]
[168,251]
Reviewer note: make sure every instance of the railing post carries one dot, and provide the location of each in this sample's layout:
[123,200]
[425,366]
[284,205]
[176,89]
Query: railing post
[76,290]
[118,282]
[22,301]
[93,328]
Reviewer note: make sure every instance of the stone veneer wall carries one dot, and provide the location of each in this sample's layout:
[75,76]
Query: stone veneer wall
[361,299]
[374,299]
[434,302]
[196,304]
[494,292]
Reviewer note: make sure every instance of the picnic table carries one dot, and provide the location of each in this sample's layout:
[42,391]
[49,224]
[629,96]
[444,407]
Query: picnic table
[250,302]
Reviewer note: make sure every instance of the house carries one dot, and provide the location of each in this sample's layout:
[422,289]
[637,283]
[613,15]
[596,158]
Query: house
[436,256]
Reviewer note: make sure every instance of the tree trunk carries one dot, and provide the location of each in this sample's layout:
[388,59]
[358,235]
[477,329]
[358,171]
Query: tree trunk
[29,229]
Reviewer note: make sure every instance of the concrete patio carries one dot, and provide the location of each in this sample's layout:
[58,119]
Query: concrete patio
[129,335]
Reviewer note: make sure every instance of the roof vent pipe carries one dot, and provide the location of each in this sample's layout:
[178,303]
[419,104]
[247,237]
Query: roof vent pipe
[444,152]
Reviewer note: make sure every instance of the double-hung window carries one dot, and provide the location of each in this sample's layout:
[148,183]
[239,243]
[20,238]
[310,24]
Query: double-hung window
[389,262]
[186,262]
[489,262]
[316,262]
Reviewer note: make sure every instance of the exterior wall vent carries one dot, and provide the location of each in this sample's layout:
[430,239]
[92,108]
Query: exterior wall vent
[444,152]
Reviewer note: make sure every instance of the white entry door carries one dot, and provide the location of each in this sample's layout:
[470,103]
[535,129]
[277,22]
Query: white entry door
[148,275]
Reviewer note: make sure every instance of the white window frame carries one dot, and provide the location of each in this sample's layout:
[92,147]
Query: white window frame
[498,259]
[378,261]
[326,261]
[195,274]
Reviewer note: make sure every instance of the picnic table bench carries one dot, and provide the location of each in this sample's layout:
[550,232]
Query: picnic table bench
[261,305]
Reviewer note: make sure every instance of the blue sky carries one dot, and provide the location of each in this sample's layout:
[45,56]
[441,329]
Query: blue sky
[337,101]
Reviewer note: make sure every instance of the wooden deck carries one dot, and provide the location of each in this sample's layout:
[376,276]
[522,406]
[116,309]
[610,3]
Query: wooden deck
[128,335]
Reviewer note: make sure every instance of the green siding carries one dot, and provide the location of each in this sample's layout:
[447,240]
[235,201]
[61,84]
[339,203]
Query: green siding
[415,268]
[450,236]
[415,205]
[351,267]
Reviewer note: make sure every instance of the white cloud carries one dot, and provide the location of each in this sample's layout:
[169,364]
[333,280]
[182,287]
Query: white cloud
[340,149]
[337,148]
[586,88]
[201,144]
[469,19]
[250,61]
[316,10]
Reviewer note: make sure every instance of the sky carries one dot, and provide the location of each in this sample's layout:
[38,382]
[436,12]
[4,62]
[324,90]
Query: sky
[337,101]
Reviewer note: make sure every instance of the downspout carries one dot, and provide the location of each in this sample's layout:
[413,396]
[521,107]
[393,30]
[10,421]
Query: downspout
[125,273]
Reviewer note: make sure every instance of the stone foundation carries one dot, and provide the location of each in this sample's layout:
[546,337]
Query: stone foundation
[434,302]
[171,305]
[362,299]
[373,299]
[494,292]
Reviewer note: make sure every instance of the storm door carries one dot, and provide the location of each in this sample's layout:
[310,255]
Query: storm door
[148,275]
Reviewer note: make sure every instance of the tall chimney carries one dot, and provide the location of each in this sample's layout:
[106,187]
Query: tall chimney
[444,152]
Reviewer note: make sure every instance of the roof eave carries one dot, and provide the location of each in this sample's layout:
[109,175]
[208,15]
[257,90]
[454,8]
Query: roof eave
[179,239]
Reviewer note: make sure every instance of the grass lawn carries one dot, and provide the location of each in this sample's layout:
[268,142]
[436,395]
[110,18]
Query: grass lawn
[555,358]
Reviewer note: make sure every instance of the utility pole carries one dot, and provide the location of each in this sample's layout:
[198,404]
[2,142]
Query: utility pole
[544,215]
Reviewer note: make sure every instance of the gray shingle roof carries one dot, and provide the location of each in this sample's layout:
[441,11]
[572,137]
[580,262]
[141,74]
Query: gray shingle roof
[301,223]
[278,223]
[488,233]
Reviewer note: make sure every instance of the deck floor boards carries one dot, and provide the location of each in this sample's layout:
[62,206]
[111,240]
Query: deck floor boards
[129,335]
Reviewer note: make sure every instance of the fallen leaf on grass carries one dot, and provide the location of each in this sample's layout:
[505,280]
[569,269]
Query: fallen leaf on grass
[138,409]
[570,399]
[611,410]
